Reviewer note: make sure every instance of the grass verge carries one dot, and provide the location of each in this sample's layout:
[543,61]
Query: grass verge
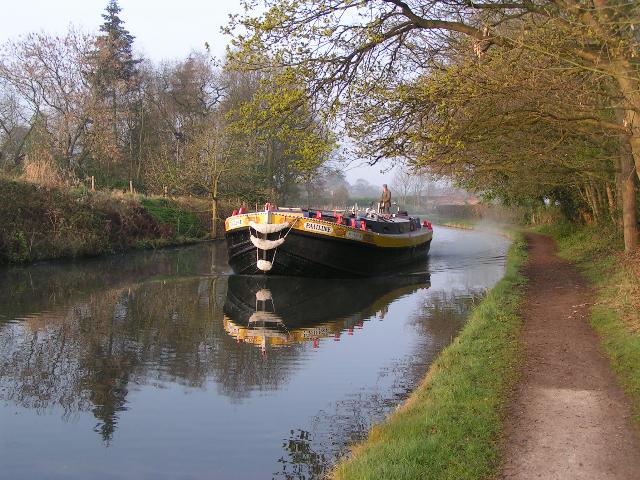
[460,225]
[451,425]
[465,224]
[616,313]
[167,212]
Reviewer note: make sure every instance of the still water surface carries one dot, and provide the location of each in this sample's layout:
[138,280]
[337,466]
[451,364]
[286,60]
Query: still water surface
[163,365]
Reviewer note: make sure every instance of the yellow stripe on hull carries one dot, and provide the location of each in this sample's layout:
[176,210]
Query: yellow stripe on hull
[329,229]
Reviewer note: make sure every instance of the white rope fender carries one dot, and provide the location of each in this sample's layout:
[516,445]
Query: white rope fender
[263,295]
[268,227]
[264,244]
[264,265]
[264,317]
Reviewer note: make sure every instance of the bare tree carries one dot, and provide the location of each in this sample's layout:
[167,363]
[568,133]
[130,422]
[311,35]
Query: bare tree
[402,183]
[14,128]
[420,186]
[211,158]
[46,75]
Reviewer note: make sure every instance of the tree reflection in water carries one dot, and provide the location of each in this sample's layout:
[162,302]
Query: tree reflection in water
[82,337]
[75,335]
[83,357]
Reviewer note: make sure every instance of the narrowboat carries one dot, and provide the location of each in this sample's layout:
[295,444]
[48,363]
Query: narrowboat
[328,244]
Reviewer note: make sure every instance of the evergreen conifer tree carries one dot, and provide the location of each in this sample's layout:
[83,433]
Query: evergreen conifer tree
[113,76]
[113,60]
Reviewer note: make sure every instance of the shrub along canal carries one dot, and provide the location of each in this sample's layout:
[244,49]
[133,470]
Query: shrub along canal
[164,365]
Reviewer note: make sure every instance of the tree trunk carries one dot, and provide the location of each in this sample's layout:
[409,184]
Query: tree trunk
[626,77]
[629,215]
[602,203]
[593,202]
[214,216]
[114,119]
[613,211]
[215,179]
[130,152]
[140,138]
[632,121]
[629,149]
[619,187]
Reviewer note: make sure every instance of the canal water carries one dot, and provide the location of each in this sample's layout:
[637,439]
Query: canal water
[163,365]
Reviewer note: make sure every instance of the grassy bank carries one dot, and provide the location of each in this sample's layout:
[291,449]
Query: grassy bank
[451,222]
[44,222]
[616,314]
[451,425]
[464,225]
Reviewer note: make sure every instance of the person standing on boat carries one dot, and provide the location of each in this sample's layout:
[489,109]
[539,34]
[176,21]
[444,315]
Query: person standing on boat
[385,201]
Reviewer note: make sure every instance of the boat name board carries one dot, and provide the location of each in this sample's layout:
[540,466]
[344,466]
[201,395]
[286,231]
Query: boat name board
[236,222]
[317,227]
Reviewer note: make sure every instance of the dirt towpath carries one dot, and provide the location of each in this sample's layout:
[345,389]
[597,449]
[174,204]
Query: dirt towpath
[569,418]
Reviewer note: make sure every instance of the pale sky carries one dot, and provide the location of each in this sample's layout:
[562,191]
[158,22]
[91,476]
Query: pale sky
[163,29]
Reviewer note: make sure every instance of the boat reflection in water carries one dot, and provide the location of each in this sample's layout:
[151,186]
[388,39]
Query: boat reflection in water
[272,312]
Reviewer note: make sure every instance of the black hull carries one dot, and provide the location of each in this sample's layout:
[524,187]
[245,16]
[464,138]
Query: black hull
[309,255]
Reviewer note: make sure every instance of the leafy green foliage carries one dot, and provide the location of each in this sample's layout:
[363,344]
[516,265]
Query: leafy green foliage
[288,139]
[518,101]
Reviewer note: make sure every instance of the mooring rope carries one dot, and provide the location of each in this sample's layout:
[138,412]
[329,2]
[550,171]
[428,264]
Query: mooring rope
[275,250]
